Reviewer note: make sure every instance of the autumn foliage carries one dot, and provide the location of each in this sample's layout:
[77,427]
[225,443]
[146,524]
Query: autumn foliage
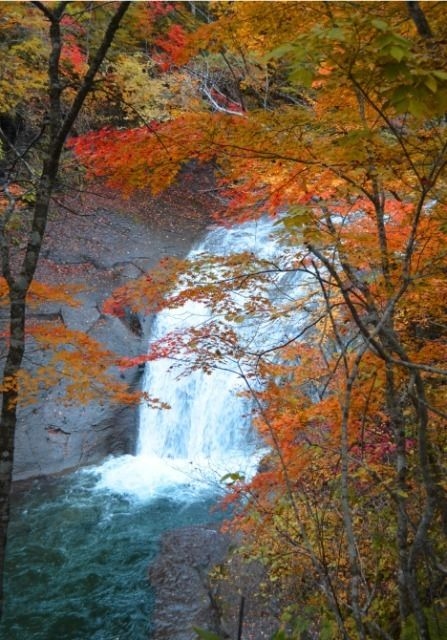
[332,121]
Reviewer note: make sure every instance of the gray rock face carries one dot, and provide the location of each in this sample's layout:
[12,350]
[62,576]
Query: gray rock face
[101,251]
[179,576]
[199,582]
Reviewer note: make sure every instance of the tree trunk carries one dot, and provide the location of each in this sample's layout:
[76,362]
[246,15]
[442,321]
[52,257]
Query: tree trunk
[9,413]
[419,19]
[20,281]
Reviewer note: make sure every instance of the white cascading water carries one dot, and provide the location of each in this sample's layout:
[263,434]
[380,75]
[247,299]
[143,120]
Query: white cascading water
[184,451]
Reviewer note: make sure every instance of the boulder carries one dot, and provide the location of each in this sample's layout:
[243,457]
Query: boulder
[199,581]
[179,577]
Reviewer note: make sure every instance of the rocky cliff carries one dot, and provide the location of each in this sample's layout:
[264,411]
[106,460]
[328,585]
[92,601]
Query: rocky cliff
[100,241]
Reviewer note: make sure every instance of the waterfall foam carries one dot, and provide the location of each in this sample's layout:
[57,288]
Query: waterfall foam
[183,451]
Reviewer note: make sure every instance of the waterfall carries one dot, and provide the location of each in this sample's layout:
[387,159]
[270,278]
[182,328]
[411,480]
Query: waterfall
[79,548]
[206,433]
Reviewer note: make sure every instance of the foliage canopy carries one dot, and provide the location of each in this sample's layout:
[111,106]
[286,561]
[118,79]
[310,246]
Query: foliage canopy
[329,117]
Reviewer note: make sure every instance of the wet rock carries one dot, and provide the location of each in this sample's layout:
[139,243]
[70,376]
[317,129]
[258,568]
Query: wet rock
[179,577]
[101,251]
[200,582]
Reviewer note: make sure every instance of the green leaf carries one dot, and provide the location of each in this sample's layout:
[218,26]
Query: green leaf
[206,635]
[416,106]
[381,25]
[441,102]
[336,34]
[302,76]
[397,53]
[441,75]
[394,70]
[385,41]
[233,477]
[390,39]
[328,630]
[29,198]
[400,98]
[302,623]
[298,217]
[430,83]
[281,51]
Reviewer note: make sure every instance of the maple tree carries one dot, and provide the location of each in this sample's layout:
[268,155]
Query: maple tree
[330,117]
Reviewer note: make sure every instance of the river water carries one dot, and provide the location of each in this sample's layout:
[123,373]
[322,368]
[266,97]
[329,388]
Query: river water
[80,545]
[78,560]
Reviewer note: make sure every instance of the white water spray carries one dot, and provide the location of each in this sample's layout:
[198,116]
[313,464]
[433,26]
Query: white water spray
[183,451]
